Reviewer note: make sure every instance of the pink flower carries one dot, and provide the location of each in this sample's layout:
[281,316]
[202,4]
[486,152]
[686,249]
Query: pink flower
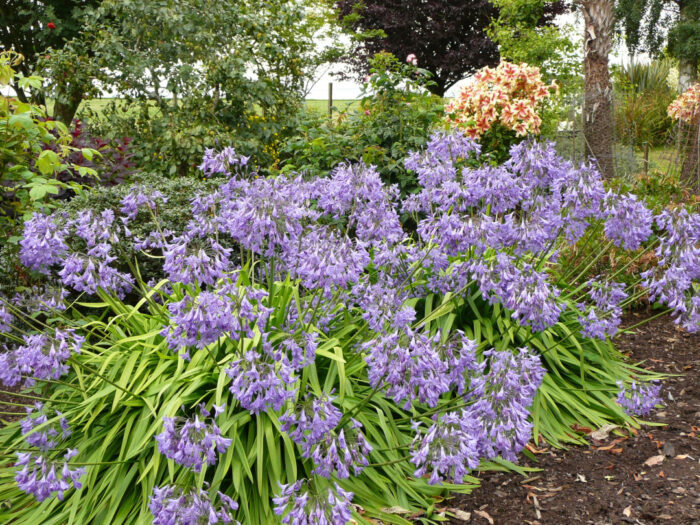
[367,112]
[367,78]
[411,59]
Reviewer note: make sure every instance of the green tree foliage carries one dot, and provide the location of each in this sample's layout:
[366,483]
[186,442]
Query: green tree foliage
[29,27]
[185,68]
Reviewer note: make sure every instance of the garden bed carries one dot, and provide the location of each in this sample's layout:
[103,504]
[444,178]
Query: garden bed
[618,479]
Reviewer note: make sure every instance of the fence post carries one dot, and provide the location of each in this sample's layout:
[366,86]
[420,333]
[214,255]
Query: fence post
[330,100]
[646,159]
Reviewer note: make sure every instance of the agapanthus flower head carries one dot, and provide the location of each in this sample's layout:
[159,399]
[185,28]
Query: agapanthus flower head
[172,505]
[310,420]
[409,366]
[340,452]
[138,198]
[41,356]
[629,221]
[90,273]
[40,477]
[48,436]
[448,449]
[222,162]
[45,298]
[639,399]
[503,396]
[301,503]
[192,442]
[324,259]
[262,378]
[43,242]
[602,318]
[6,318]
[190,259]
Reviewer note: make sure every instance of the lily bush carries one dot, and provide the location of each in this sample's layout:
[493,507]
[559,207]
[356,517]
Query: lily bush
[302,359]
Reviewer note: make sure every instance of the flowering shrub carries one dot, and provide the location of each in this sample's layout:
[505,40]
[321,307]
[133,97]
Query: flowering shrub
[505,99]
[350,367]
[687,106]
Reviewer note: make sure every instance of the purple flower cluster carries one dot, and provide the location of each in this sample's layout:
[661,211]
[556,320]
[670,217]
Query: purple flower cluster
[299,504]
[6,319]
[628,221]
[638,399]
[412,366]
[525,291]
[674,281]
[43,243]
[310,421]
[382,304]
[448,449]
[38,475]
[190,259]
[323,259]
[215,162]
[192,442]
[357,192]
[201,319]
[603,317]
[42,299]
[503,396]
[335,453]
[40,357]
[172,505]
[138,198]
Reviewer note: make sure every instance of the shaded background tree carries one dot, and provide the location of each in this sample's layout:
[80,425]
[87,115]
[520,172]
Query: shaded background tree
[449,37]
[30,27]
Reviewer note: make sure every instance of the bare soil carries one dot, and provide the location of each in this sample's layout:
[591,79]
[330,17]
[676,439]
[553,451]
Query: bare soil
[651,476]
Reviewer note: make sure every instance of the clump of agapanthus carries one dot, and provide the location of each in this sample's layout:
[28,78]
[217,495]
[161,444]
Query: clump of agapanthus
[448,449]
[194,441]
[602,318]
[408,365]
[47,437]
[200,319]
[171,505]
[381,303]
[138,198]
[6,319]
[503,397]
[42,356]
[38,475]
[628,221]
[339,452]
[523,289]
[43,242]
[310,420]
[42,299]
[639,399]
[264,213]
[190,258]
[674,280]
[357,192]
[222,162]
[262,377]
[300,503]
[322,258]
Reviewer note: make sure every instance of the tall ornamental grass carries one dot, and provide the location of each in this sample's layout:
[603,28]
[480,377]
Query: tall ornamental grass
[301,359]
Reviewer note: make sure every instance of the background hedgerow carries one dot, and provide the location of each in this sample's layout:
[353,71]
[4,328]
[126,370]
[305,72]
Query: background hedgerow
[327,365]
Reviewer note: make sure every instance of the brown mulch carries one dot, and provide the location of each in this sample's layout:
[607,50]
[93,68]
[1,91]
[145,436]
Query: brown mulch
[650,477]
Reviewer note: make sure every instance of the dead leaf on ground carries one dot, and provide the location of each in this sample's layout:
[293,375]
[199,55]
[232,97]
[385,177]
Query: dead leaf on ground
[581,478]
[603,432]
[484,515]
[628,511]
[460,514]
[654,460]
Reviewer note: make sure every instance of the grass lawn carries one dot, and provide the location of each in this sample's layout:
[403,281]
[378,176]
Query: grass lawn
[663,159]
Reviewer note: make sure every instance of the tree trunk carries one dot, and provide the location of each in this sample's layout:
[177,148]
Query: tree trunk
[597,102]
[687,74]
[66,105]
